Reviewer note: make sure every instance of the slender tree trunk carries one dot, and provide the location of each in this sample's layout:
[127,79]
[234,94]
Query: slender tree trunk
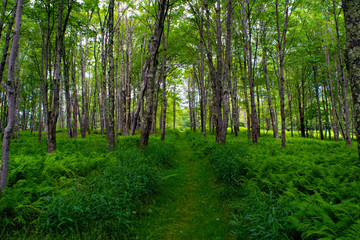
[104,105]
[234,101]
[74,99]
[83,88]
[290,109]
[318,105]
[150,71]
[268,90]
[174,108]
[227,74]
[110,130]
[345,83]
[244,77]
[248,52]
[201,79]
[96,90]
[67,94]
[142,92]
[281,43]
[2,16]
[10,88]
[332,98]
[164,76]
[7,42]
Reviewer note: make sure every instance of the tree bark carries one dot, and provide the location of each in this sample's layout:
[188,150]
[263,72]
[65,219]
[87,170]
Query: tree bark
[318,104]
[53,114]
[74,99]
[164,72]
[67,94]
[352,56]
[104,105]
[281,43]
[2,16]
[248,52]
[7,43]
[268,90]
[345,83]
[142,91]
[150,71]
[332,98]
[110,130]
[10,88]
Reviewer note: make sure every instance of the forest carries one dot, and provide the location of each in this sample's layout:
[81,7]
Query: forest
[180,119]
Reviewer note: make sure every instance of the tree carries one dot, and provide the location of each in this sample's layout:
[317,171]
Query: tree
[110,130]
[10,87]
[150,71]
[352,56]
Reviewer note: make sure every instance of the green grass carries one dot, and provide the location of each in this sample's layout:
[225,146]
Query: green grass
[186,187]
[81,190]
[188,205]
[309,190]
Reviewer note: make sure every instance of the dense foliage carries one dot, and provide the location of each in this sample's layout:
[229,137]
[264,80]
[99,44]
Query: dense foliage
[81,189]
[310,190]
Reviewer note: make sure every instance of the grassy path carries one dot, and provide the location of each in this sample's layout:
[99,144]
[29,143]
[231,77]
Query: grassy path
[188,206]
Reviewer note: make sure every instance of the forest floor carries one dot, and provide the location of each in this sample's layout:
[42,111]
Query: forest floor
[188,205]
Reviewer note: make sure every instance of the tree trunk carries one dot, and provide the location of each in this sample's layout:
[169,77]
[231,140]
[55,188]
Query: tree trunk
[164,76]
[110,130]
[7,43]
[332,98]
[83,60]
[10,88]
[54,113]
[352,56]
[104,105]
[318,105]
[345,83]
[2,16]
[248,52]
[67,94]
[150,71]
[74,99]
[96,90]
[281,43]
[290,109]
[142,92]
[201,79]
[227,74]
[268,90]
[234,102]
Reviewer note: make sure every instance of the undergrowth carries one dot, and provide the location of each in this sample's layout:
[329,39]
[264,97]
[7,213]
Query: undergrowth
[309,190]
[81,190]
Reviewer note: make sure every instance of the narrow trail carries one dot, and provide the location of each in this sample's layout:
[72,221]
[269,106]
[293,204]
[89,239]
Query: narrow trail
[188,205]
